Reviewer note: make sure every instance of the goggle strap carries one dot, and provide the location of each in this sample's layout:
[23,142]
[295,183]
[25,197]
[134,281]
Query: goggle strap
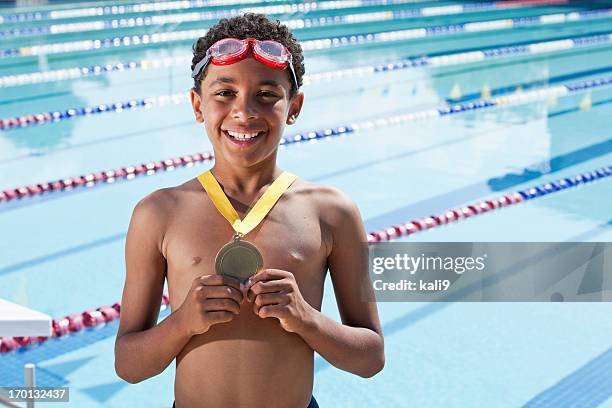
[293,73]
[200,65]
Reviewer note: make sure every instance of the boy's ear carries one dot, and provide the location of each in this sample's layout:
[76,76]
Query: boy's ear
[295,106]
[196,104]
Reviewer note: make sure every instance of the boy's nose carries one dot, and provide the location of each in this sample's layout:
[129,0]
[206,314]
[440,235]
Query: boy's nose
[244,109]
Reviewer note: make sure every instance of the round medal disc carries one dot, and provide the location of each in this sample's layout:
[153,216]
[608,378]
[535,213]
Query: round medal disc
[239,259]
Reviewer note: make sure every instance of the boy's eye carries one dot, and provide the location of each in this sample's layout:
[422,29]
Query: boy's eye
[267,94]
[224,93]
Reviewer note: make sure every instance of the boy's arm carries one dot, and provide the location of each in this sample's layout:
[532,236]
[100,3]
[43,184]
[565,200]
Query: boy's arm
[356,345]
[142,348]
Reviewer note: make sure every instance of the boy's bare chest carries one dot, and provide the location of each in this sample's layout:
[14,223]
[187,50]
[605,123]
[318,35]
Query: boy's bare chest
[289,238]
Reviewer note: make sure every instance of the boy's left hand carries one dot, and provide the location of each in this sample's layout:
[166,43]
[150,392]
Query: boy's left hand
[275,293]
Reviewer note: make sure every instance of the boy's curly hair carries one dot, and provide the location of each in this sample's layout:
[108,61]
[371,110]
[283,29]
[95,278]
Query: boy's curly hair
[250,25]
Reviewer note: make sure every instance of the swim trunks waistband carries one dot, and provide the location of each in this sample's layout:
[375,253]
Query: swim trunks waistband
[311,404]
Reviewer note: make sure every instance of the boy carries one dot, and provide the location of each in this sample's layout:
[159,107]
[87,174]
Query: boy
[242,342]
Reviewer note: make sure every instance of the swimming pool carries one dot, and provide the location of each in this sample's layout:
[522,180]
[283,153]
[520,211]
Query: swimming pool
[389,129]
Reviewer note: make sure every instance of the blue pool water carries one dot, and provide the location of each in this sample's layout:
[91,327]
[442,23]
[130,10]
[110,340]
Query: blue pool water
[63,253]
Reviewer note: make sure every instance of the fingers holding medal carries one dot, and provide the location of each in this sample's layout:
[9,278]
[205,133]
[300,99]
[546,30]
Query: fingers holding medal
[212,299]
[275,293]
[238,259]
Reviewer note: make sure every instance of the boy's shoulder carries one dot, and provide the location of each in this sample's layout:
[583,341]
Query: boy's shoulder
[332,203]
[163,202]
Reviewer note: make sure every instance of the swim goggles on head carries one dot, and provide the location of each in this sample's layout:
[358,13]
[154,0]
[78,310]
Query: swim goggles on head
[231,50]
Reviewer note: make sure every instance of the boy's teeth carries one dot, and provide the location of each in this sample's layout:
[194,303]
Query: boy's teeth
[242,135]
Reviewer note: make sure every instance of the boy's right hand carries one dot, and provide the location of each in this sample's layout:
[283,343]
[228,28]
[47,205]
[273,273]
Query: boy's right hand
[212,299]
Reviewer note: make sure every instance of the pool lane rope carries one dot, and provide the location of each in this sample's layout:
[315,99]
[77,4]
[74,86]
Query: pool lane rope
[182,97]
[293,8]
[102,315]
[119,10]
[70,324]
[292,24]
[440,60]
[131,172]
[468,211]
[316,44]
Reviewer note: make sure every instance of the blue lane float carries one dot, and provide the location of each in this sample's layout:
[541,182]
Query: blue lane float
[274,10]
[484,206]
[294,8]
[436,60]
[308,45]
[117,107]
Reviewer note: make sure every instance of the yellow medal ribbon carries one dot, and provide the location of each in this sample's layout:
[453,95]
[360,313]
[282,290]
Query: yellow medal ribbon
[259,211]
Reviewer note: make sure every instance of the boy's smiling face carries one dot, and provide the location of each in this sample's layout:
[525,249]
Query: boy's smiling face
[245,98]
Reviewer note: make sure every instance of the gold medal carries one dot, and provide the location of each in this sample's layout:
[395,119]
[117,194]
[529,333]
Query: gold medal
[241,259]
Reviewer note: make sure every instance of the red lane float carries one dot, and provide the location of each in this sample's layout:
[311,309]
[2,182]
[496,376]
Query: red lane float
[109,176]
[70,324]
[422,224]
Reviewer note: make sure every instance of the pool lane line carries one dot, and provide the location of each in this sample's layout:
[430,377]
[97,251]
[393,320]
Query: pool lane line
[92,70]
[130,172]
[297,7]
[484,206]
[383,85]
[461,58]
[495,184]
[571,389]
[113,107]
[293,7]
[274,10]
[504,90]
[495,64]
[104,314]
[433,204]
[137,8]
[73,323]
[12,363]
[134,134]
[314,44]
[434,61]
[553,164]
[51,117]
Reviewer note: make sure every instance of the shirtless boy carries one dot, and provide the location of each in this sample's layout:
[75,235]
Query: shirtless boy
[246,343]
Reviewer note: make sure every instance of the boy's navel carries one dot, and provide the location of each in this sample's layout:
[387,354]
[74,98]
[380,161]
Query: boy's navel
[195,260]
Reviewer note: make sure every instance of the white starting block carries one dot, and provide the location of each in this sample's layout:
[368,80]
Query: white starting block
[19,321]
